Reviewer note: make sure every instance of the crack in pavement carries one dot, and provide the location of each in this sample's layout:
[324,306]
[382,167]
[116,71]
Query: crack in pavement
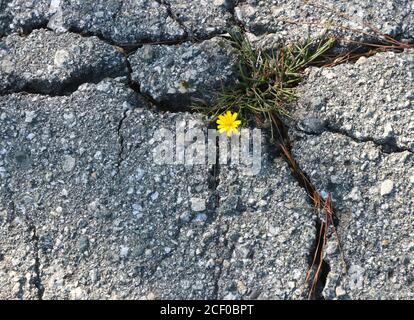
[121,146]
[69,86]
[299,174]
[189,37]
[215,199]
[387,146]
[315,199]
[217,216]
[167,6]
[235,20]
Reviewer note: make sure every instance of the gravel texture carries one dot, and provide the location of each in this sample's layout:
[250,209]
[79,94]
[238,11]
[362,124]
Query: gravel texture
[285,20]
[353,136]
[17,254]
[271,232]
[173,75]
[123,22]
[88,212]
[44,62]
[22,16]
[369,100]
[68,147]
[202,18]
[373,195]
[109,222]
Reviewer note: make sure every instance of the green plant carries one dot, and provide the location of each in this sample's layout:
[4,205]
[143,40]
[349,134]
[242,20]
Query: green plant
[265,86]
[266,79]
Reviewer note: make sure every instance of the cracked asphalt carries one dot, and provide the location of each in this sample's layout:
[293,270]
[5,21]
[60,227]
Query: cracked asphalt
[86,212]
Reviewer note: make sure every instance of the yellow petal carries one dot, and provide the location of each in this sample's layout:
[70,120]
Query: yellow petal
[234,116]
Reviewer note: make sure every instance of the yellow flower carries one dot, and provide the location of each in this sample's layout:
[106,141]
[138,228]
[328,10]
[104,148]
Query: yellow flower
[227,123]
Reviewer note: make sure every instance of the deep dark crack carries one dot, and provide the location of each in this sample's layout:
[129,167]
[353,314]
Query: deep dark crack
[315,258]
[388,145]
[214,205]
[167,6]
[316,253]
[121,145]
[235,21]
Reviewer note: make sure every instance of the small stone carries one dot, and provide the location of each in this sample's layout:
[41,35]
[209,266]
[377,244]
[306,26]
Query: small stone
[137,210]
[226,264]
[244,252]
[83,244]
[61,56]
[30,136]
[386,187]
[98,155]
[151,296]
[186,216]
[198,204]
[29,116]
[93,275]
[361,60]
[388,130]
[200,217]
[241,287]
[123,253]
[328,74]
[230,296]
[68,163]
[340,291]
[331,247]
[147,52]
[76,293]
[219,2]
[154,196]
[312,125]
[254,294]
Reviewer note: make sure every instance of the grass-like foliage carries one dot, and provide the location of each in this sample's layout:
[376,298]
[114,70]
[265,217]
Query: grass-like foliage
[266,79]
